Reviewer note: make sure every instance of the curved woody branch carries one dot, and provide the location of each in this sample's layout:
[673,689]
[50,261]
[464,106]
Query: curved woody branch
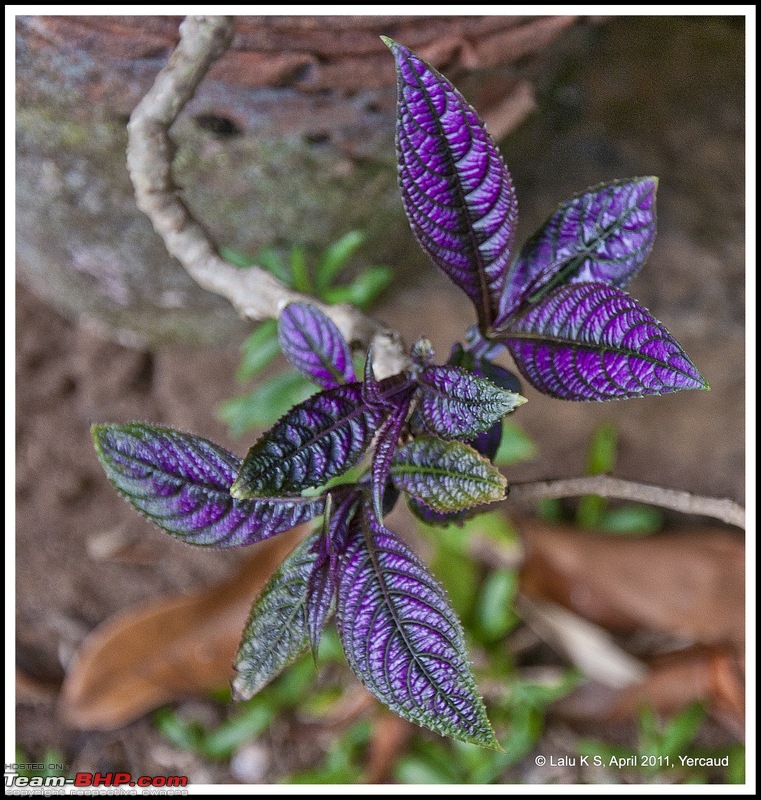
[254,293]
[257,295]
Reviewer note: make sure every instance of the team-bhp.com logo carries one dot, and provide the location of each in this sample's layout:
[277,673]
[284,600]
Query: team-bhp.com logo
[96,779]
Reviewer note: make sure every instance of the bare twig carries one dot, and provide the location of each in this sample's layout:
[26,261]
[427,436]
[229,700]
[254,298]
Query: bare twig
[603,485]
[254,292]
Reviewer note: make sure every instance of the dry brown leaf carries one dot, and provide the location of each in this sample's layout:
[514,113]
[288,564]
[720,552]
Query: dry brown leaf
[588,646]
[711,675]
[164,649]
[688,584]
[33,692]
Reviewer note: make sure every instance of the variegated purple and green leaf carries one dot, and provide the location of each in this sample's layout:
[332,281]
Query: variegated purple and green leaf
[456,190]
[323,579]
[385,447]
[456,404]
[591,341]
[182,484]
[321,592]
[315,441]
[604,234]
[276,633]
[402,638]
[314,345]
[446,476]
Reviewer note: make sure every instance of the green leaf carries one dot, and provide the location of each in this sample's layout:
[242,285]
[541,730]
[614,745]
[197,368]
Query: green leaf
[681,731]
[276,632]
[632,520]
[236,258]
[182,733]
[601,459]
[258,349]
[262,407]
[649,731]
[494,614]
[362,290]
[221,742]
[516,446]
[415,770]
[292,685]
[601,455]
[301,280]
[736,768]
[550,510]
[334,258]
[447,476]
[271,260]
[458,574]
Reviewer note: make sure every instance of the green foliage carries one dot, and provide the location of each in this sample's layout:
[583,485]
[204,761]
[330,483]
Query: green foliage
[520,712]
[265,404]
[516,446]
[343,763]
[593,512]
[660,745]
[293,688]
[601,459]
[50,765]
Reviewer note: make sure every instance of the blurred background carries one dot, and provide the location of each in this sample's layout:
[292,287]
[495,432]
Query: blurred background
[595,628]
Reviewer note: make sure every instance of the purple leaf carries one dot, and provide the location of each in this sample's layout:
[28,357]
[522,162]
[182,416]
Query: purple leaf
[323,579]
[457,192]
[321,592]
[371,390]
[601,235]
[314,345]
[402,638]
[385,447]
[456,404]
[591,341]
[447,476]
[477,346]
[315,441]
[426,514]
[182,484]
[276,631]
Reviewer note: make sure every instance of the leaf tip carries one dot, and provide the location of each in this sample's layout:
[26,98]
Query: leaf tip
[96,431]
[518,401]
[239,690]
[389,42]
[238,491]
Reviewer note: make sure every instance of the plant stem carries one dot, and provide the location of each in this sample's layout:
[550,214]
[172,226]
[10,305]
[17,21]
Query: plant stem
[604,486]
[254,292]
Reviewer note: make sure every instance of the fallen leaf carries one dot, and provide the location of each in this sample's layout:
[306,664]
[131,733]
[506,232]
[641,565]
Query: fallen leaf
[167,648]
[688,584]
[588,646]
[711,675]
[33,692]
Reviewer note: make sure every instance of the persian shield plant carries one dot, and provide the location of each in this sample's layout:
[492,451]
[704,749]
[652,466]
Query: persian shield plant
[558,306]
